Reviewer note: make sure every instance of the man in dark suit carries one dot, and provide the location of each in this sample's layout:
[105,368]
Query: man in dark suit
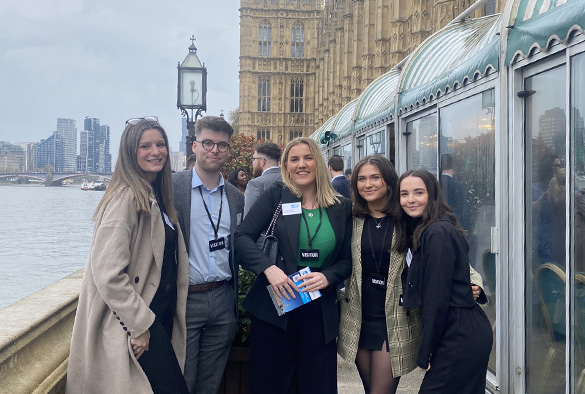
[209,210]
[339,181]
[454,192]
[265,171]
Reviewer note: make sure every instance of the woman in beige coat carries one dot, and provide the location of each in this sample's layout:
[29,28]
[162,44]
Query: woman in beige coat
[376,332]
[129,334]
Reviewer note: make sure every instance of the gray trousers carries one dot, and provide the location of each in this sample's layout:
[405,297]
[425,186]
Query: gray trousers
[211,327]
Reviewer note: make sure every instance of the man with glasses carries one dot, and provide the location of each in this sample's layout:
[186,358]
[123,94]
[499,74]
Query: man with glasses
[209,210]
[265,171]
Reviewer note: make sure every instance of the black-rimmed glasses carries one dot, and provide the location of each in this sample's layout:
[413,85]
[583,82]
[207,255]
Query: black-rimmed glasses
[221,146]
[150,119]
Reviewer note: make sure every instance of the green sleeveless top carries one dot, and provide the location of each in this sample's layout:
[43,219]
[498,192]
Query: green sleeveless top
[324,240]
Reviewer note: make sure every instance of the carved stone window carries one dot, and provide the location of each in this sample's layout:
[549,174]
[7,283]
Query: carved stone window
[296,95]
[263,134]
[264,39]
[295,133]
[298,40]
[264,94]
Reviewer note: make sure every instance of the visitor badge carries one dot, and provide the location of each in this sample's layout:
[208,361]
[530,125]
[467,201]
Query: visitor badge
[217,244]
[408,257]
[168,221]
[309,254]
[378,281]
[293,208]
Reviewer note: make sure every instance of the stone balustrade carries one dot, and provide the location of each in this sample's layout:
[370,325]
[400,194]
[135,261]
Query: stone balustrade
[35,334]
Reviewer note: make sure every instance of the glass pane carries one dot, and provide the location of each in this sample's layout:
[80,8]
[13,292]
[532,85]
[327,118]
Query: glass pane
[391,151]
[545,231]
[347,156]
[422,143]
[578,217]
[467,164]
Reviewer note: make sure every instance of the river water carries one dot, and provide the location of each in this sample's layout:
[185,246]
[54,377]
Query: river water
[45,233]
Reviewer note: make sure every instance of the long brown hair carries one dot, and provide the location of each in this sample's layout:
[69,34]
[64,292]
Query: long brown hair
[326,195]
[435,210]
[360,206]
[128,174]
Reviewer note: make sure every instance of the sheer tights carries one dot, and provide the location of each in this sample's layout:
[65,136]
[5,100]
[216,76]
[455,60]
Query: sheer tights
[375,369]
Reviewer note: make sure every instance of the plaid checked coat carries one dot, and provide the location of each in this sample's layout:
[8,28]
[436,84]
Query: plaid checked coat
[404,330]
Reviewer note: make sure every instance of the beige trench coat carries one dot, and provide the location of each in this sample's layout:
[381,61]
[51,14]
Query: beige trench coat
[404,331]
[121,278]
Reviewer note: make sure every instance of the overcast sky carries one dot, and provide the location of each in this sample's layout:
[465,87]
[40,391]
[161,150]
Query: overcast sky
[110,59]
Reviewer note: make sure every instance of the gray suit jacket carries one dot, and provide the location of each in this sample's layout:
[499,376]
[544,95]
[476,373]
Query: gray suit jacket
[257,186]
[182,196]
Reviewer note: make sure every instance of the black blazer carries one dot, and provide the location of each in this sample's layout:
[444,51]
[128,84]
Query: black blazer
[336,268]
[437,279]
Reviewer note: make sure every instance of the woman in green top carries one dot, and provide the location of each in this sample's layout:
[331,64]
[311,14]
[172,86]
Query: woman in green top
[296,352]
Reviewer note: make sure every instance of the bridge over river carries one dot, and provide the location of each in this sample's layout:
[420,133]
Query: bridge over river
[53,178]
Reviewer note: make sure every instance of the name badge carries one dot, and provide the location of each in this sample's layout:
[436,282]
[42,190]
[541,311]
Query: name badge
[168,221]
[309,254]
[217,244]
[378,282]
[408,257]
[293,208]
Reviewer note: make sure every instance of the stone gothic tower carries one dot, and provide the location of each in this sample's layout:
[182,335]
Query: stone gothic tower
[278,42]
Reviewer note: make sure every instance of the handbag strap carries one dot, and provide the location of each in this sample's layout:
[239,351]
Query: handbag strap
[272,225]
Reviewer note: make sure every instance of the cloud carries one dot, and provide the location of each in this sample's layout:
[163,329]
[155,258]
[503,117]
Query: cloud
[111,60]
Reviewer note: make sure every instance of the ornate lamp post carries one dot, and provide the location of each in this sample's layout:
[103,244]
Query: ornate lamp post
[375,141]
[191,91]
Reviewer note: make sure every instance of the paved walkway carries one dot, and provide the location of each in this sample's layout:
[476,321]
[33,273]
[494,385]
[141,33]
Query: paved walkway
[349,382]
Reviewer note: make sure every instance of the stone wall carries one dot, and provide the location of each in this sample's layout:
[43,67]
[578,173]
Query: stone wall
[35,335]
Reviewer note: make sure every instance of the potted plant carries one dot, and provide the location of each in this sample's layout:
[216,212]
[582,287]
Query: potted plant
[235,376]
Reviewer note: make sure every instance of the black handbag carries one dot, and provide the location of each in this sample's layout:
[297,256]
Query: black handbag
[267,242]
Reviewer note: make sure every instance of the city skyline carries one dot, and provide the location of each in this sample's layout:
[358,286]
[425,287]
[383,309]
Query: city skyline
[72,59]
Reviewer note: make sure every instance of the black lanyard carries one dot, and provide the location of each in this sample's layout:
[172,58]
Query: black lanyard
[310,239]
[215,229]
[378,262]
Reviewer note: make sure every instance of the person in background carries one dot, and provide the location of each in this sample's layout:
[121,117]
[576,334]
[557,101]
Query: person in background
[339,182]
[295,352]
[265,171]
[129,331]
[347,173]
[239,179]
[376,333]
[456,334]
[454,193]
[191,161]
[209,210]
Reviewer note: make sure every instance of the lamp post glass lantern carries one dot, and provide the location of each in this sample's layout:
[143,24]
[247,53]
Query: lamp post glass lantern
[191,91]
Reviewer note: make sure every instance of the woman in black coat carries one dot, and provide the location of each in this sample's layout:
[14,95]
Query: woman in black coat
[456,334]
[296,352]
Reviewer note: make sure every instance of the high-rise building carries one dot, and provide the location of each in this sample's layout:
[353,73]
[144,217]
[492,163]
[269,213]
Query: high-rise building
[82,157]
[99,159]
[50,152]
[67,132]
[13,157]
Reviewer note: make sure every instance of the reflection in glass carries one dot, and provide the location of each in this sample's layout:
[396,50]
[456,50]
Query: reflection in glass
[545,231]
[422,143]
[578,218]
[467,165]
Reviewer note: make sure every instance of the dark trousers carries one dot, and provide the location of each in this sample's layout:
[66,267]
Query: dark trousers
[296,360]
[160,363]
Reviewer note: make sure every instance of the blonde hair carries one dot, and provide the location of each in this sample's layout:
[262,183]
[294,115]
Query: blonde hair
[128,174]
[326,195]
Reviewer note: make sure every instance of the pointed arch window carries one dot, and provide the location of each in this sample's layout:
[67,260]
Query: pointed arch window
[296,95]
[264,94]
[264,39]
[298,40]
[295,133]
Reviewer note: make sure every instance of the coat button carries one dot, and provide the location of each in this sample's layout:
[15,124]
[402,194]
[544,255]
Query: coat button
[129,334]
[136,280]
[125,329]
[121,323]
[410,285]
[114,313]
